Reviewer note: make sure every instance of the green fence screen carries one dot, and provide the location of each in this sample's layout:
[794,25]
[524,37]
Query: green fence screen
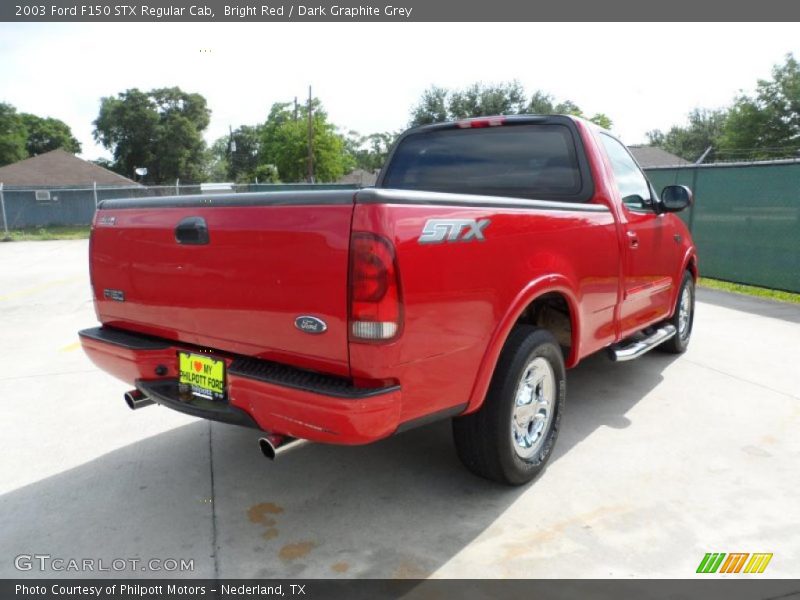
[745,220]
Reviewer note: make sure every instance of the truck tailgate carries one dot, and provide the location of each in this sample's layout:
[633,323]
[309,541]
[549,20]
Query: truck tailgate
[268,259]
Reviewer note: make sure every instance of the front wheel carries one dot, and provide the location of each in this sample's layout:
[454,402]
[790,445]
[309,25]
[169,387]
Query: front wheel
[511,437]
[682,319]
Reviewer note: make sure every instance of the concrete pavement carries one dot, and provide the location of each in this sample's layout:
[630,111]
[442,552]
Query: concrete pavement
[660,460]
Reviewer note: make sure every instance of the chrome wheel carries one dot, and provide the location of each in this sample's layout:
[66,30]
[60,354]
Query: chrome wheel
[685,312]
[534,406]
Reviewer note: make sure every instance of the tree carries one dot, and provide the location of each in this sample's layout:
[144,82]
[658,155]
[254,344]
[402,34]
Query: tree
[432,107]
[542,103]
[284,144]
[12,135]
[369,152]
[439,104]
[236,157]
[266,173]
[46,134]
[763,125]
[161,130]
[23,135]
[766,124]
[241,153]
[492,99]
[217,160]
[705,129]
[104,162]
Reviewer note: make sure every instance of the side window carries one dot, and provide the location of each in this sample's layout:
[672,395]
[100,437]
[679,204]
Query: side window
[633,186]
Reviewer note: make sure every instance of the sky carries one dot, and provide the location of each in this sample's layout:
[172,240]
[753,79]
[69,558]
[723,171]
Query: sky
[369,75]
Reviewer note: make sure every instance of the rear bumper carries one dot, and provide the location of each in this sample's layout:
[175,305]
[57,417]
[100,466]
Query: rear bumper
[261,394]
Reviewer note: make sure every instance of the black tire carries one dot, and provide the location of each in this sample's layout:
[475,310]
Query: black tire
[678,343]
[485,439]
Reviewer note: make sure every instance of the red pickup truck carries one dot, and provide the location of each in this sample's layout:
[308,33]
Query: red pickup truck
[492,254]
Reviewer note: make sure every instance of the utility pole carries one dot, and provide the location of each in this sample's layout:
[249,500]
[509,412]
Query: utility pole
[295,108]
[310,140]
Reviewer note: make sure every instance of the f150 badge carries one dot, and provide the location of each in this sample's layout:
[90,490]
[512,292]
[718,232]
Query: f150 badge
[437,231]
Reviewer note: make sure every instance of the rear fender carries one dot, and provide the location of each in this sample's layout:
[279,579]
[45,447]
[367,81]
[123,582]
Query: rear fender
[536,288]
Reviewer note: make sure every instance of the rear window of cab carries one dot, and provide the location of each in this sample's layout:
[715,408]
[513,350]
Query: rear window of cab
[536,161]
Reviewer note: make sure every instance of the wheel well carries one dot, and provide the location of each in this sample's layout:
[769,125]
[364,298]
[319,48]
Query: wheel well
[551,312]
[692,267]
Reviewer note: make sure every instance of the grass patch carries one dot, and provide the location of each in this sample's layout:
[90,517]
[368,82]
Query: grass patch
[72,232]
[749,290]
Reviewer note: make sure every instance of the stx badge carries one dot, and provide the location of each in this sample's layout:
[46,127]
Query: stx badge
[437,231]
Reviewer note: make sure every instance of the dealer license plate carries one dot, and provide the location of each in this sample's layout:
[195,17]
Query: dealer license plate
[202,375]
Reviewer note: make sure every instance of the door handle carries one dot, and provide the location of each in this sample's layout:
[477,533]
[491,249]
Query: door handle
[192,230]
[633,239]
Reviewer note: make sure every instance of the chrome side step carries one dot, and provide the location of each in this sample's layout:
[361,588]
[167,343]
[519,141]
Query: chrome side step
[620,353]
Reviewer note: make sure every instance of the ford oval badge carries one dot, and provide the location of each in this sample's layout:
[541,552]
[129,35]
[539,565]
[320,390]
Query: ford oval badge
[308,324]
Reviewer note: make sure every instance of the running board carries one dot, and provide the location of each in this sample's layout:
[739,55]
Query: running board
[635,349]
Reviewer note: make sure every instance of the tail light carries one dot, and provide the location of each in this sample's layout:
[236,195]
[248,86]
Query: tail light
[375,305]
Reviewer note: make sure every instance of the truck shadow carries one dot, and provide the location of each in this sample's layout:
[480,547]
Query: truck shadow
[401,508]
[600,393]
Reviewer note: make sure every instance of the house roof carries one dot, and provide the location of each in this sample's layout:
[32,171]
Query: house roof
[653,156]
[58,168]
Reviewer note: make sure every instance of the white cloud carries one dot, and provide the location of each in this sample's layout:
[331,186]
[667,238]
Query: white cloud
[368,75]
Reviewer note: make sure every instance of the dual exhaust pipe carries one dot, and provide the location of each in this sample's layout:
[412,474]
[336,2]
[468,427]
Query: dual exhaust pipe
[272,445]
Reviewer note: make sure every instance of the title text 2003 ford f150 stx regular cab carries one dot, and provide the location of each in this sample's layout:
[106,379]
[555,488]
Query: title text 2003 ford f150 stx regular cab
[492,254]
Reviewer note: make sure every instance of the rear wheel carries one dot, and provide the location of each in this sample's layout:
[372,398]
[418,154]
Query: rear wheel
[682,319]
[511,437]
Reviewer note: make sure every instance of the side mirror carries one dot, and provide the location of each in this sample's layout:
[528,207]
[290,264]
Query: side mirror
[674,198]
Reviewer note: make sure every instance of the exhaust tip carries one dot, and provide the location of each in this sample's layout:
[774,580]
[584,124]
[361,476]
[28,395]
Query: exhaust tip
[136,399]
[131,398]
[274,444]
[267,449]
